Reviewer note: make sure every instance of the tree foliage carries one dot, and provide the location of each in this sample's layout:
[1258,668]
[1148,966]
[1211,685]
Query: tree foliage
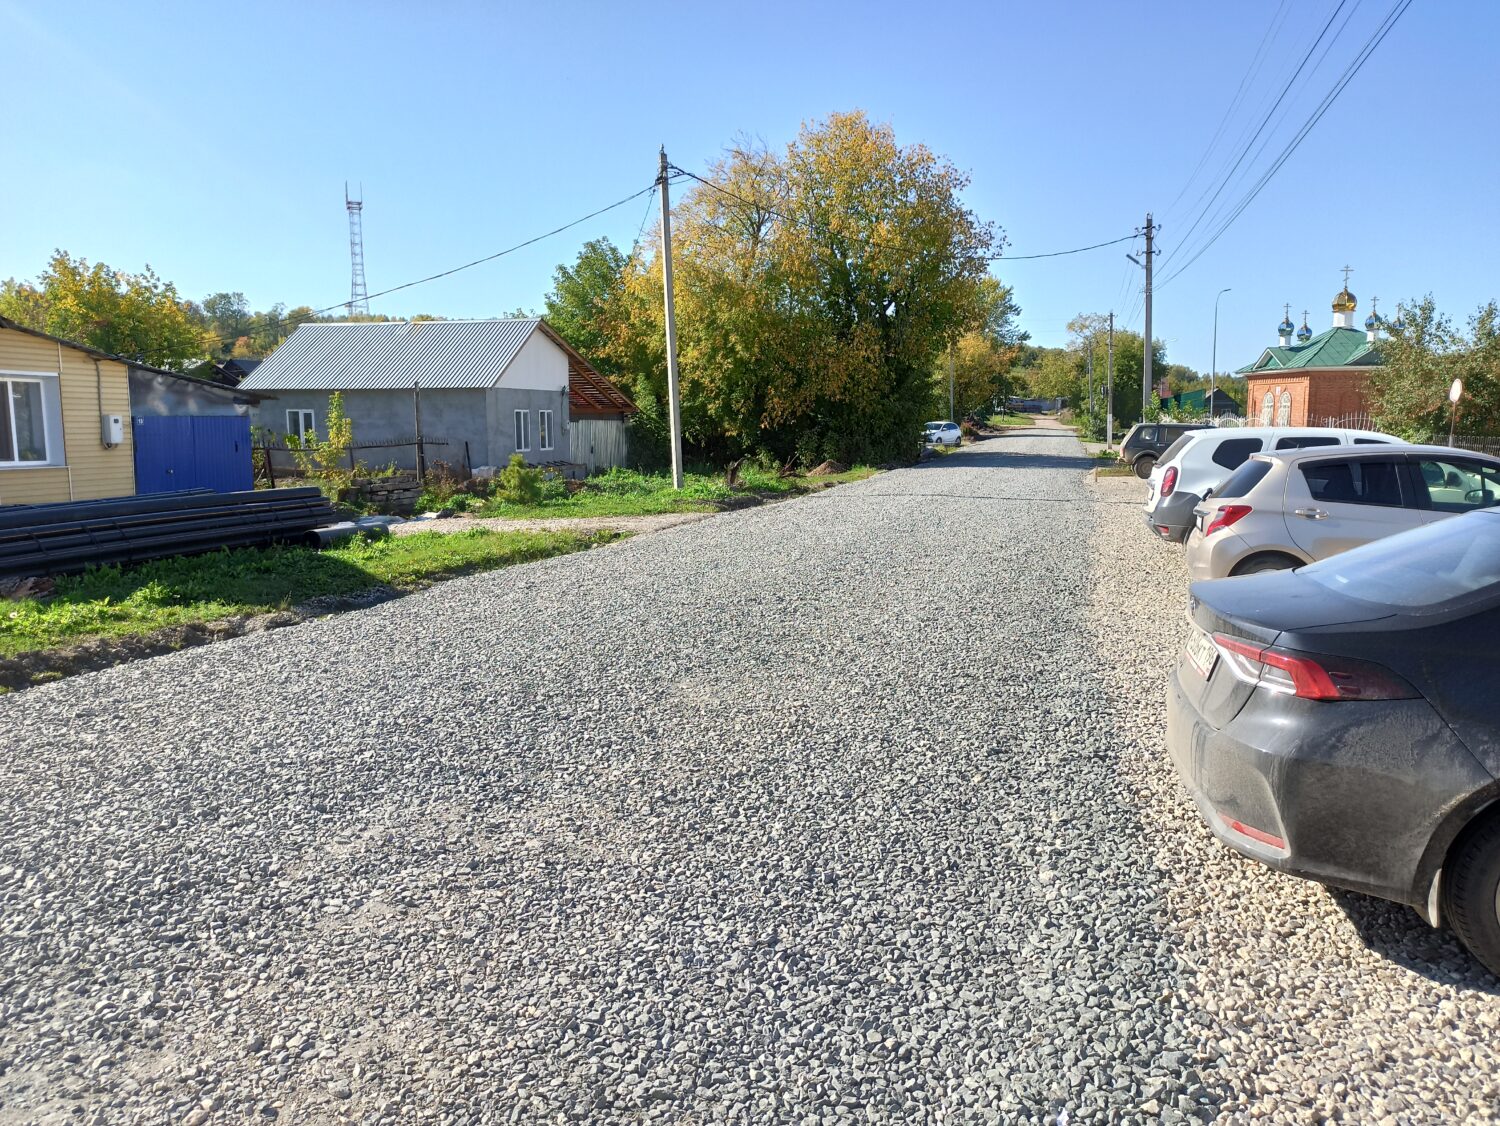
[138,316]
[1421,355]
[816,289]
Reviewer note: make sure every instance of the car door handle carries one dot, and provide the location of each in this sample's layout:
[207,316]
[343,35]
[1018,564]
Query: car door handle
[1312,513]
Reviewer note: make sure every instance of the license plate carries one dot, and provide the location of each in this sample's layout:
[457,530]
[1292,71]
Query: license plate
[1201,653]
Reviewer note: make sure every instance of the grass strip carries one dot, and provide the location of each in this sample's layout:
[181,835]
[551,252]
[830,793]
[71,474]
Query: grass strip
[118,602]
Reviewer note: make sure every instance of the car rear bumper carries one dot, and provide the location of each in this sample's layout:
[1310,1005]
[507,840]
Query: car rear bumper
[1172,518]
[1347,794]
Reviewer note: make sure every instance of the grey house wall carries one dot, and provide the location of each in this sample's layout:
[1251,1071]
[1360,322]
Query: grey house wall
[484,418]
[152,393]
[501,405]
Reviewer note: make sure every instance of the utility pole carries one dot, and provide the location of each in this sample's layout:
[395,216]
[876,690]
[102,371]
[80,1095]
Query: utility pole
[674,410]
[1109,432]
[1213,375]
[1147,390]
[950,385]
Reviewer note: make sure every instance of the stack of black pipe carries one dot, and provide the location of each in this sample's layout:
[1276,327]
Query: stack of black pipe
[58,539]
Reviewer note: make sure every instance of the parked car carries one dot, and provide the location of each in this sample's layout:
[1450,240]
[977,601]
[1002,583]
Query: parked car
[1201,459]
[1147,441]
[943,434]
[1283,510]
[1341,722]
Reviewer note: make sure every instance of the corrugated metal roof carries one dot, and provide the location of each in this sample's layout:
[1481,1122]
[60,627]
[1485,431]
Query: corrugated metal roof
[392,354]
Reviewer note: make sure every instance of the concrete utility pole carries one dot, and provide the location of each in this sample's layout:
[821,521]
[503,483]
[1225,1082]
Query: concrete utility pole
[674,410]
[1147,390]
[1109,430]
[951,407]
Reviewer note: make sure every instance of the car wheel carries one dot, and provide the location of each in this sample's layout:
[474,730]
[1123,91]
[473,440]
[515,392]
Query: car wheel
[1471,885]
[1144,466]
[1261,563]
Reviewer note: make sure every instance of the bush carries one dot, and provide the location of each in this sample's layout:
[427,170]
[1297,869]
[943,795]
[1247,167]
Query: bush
[517,484]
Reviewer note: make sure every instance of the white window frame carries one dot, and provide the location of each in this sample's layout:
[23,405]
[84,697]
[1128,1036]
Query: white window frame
[544,430]
[523,432]
[47,382]
[1284,409]
[299,422]
[1268,408]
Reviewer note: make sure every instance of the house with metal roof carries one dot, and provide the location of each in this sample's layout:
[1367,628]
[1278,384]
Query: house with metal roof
[473,392]
[1317,380]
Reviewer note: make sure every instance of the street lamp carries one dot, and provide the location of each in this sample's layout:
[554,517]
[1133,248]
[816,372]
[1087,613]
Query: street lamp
[1213,374]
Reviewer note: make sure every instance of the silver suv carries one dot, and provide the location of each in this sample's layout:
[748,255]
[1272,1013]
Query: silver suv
[1283,510]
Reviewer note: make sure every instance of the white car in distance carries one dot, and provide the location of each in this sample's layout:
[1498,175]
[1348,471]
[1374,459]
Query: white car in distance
[943,434]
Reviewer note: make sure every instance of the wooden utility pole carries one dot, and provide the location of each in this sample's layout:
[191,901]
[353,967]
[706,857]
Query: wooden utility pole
[674,410]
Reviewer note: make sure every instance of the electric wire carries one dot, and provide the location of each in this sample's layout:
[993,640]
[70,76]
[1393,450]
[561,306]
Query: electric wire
[1245,81]
[1264,122]
[1375,40]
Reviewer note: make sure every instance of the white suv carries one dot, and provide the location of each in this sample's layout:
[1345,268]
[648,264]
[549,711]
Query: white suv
[1202,459]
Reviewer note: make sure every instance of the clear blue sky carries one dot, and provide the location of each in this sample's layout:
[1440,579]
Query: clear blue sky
[213,141]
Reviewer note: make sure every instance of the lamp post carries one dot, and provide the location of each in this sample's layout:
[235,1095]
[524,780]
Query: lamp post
[1213,374]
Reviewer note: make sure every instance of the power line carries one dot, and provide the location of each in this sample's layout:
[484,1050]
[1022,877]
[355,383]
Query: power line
[1248,77]
[1378,37]
[1264,122]
[887,246]
[279,322]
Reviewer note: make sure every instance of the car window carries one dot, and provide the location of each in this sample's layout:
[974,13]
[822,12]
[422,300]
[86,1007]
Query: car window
[1305,442]
[1371,442]
[1425,567]
[1456,484]
[1235,452]
[1355,482]
[1145,435]
[1175,448]
[1243,479]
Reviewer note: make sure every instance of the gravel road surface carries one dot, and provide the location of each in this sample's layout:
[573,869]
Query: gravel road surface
[851,807]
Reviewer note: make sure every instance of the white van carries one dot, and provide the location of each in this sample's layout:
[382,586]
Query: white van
[1202,459]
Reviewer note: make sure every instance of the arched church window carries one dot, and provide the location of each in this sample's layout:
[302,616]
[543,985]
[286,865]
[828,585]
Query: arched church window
[1284,409]
[1267,406]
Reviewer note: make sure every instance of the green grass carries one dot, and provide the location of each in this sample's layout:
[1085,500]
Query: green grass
[625,492]
[998,420]
[115,602]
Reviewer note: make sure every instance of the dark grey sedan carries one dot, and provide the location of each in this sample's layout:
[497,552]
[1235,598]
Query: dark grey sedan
[1341,722]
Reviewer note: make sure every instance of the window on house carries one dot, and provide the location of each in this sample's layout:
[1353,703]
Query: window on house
[544,429]
[299,424]
[24,430]
[523,431]
[1267,408]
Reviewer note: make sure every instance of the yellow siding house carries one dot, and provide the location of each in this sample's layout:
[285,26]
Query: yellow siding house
[64,420]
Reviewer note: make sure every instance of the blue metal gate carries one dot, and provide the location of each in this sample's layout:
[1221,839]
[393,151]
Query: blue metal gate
[192,452]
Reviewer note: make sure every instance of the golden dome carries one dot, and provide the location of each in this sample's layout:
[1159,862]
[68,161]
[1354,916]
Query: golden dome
[1345,302]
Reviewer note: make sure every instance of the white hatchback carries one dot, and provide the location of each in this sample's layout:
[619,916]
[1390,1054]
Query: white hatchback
[1202,459]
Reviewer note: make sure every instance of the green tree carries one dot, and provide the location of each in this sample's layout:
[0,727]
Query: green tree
[137,316]
[1421,355]
[585,300]
[229,318]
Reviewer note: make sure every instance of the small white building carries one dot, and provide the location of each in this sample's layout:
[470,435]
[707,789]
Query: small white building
[475,391]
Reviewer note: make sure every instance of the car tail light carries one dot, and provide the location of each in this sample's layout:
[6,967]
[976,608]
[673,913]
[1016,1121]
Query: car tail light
[1311,678]
[1169,481]
[1227,516]
[1252,832]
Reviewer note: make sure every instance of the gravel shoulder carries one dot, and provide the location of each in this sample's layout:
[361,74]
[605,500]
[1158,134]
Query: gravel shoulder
[1314,1004]
[584,525]
[848,807]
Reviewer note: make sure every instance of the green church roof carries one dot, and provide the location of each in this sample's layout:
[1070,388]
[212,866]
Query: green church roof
[1335,348]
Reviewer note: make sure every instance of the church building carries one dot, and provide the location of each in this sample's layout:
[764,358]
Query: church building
[1318,380]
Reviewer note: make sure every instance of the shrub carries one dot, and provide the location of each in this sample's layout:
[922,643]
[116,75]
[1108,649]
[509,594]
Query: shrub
[517,484]
[327,459]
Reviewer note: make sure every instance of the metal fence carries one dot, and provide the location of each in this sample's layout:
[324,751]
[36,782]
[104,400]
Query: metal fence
[273,459]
